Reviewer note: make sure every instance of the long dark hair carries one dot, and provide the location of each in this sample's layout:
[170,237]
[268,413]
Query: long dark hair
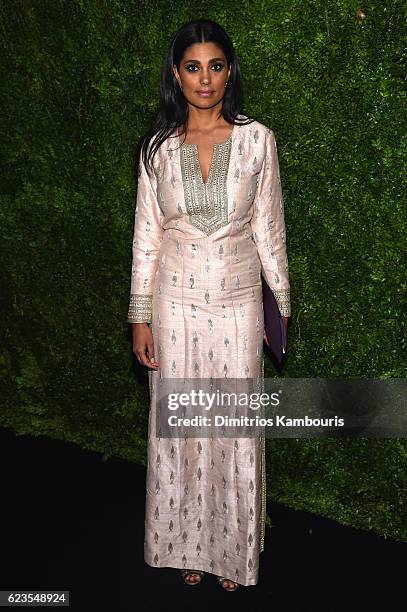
[173,106]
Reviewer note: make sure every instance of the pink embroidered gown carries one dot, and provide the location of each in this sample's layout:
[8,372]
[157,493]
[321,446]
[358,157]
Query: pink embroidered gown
[198,252]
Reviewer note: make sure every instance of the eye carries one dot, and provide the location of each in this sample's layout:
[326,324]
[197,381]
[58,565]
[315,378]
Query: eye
[218,67]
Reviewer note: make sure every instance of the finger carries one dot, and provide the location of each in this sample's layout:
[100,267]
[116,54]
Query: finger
[152,363]
[142,357]
[150,353]
[144,360]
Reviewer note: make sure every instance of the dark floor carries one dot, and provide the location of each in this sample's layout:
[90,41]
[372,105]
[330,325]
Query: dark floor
[71,521]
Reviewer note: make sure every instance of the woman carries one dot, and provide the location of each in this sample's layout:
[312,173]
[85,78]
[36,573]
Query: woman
[209,218]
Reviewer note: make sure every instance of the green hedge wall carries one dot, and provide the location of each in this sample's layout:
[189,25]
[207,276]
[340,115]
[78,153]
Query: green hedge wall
[79,83]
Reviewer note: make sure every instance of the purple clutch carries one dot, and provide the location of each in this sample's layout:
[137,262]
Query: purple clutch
[273,324]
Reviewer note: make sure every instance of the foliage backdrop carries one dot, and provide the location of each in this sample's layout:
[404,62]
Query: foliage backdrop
[79,83]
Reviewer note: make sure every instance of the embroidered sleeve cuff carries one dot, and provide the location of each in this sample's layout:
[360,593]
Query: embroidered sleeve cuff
[283,301]
[140,308]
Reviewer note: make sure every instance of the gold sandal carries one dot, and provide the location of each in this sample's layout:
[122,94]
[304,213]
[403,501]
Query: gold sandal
[188,572]
[222,581]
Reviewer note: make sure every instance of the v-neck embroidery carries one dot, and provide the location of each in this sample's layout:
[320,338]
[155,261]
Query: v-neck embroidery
[206,202]
[195,148]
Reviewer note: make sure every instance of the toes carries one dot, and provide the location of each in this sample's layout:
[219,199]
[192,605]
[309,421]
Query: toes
[230,584]
[192,577]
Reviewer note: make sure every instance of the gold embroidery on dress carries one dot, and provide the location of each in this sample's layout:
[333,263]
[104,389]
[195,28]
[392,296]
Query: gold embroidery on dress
[140,308]
[283,300]
[206,203]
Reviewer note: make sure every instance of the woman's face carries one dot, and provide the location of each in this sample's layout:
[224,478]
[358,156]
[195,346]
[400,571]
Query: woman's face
[203,73]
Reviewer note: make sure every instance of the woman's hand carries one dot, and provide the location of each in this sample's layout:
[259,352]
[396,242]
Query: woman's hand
[143,345]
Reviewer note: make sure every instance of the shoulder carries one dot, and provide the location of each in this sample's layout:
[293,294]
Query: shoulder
[154,156]
[258,132]
[258,141]
[255,126]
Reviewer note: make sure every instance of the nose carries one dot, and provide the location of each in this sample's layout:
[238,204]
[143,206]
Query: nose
[205,77]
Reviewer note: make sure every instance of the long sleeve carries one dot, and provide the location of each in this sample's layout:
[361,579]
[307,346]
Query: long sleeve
[268,226]
[148,233]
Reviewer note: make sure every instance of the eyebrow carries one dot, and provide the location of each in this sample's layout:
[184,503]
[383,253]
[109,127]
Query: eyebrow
[214,59]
